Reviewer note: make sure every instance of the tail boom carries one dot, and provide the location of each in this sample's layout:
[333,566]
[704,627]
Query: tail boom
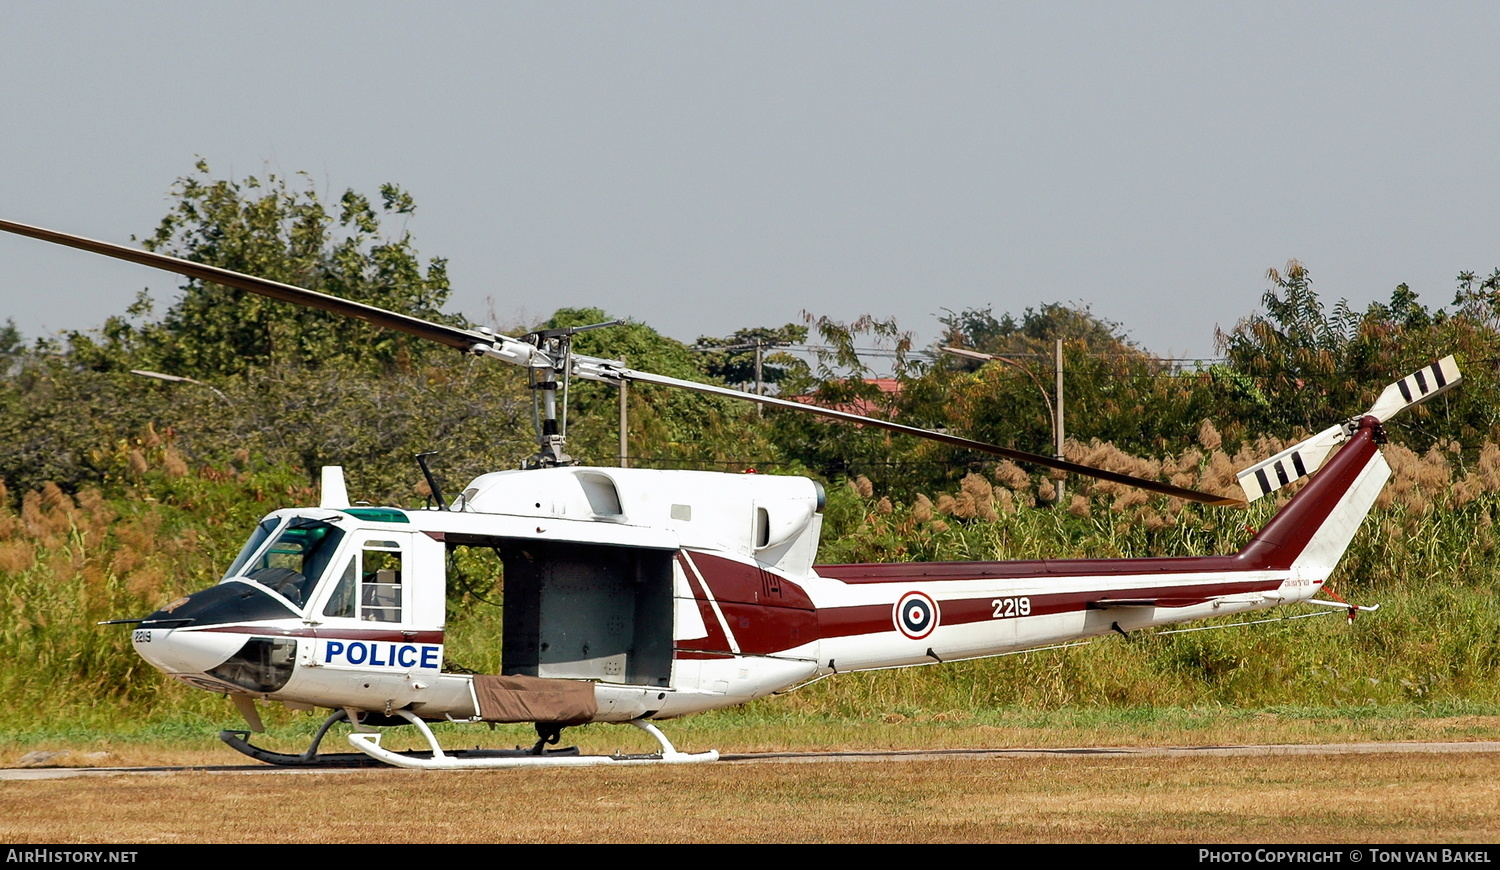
[974,609]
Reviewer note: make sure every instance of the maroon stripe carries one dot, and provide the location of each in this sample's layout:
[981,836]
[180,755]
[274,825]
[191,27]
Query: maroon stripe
[908,572]
[877,618]
[387,634]
[762,630]
[757,628]
[765,614]
[748,584]
[714,640]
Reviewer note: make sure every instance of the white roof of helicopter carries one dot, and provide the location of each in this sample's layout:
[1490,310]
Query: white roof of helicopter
[758,515]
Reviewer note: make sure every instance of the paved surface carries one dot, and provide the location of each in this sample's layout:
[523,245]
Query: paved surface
[847,757]
[1139,751]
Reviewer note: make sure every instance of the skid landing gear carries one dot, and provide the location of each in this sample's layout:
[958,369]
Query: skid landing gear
[372,754]
[369,744]
[240,741]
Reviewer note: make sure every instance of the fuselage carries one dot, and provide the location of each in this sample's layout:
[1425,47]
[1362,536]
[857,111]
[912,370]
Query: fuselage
[647,594]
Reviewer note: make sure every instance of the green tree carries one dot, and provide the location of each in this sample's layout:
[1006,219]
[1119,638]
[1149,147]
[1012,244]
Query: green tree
[1310,368]
[1113,389]
[843,377]
[1035,332]
[1299,355]
[299,386]
[1479,298]
[12,346]
[272,229]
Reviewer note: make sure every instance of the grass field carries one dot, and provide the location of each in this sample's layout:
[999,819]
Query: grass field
[770,727]
[1383,798]
[1085,797]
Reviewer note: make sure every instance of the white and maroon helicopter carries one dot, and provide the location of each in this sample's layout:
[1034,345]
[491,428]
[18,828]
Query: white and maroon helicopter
[633,595]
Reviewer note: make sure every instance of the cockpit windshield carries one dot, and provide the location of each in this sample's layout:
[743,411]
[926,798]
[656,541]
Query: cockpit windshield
[258,537]
[293,563]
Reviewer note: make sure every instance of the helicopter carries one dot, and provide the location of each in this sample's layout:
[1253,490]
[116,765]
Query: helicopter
[637,595]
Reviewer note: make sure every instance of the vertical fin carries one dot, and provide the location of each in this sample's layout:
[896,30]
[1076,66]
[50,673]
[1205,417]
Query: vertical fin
[1327,545]
[1325,513]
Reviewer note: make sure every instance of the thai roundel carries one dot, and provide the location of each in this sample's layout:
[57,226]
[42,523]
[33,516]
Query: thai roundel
[916,615]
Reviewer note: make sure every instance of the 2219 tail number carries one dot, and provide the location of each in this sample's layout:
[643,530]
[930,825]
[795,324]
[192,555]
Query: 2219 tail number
[1009,608]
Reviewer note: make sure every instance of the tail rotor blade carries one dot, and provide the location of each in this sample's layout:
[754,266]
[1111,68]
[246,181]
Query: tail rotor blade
[1306,457]
[1416,388]
[1293,463]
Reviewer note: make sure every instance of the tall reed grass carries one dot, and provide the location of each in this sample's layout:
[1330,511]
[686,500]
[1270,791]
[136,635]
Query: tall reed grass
[1427,555]
[68,562]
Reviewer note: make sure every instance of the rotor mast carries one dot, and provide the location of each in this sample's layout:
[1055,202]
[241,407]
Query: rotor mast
[549,370]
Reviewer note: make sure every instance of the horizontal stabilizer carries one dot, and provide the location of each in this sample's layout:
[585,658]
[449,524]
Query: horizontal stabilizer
[1293,463]
[1416,388]
[1179,601]
[1108,603]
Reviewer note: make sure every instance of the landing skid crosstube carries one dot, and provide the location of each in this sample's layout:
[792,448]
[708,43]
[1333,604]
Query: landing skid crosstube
[372,754]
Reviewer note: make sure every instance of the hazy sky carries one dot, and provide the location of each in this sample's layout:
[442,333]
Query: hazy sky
[704,166]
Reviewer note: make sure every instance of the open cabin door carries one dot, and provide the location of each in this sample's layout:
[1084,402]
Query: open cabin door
[584,611]
[588,612]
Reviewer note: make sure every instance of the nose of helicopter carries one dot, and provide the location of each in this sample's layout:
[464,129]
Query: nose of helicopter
[184,651]
[195,634]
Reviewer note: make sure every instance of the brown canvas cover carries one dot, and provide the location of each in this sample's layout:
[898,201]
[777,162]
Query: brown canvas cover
[534,699]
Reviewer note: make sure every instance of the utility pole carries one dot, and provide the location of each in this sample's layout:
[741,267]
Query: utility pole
[1057,427]
[624,418]
[759,345]
[760,386]
[1054,409]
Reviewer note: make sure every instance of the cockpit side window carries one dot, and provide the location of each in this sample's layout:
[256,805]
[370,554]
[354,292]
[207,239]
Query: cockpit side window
[379,594]
[341,601]
[380,586]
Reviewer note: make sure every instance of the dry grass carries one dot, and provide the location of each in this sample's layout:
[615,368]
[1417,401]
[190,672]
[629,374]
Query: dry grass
[1357,799]
[743,731]
[1093,797]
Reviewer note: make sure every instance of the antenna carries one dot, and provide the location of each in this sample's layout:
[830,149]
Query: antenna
[432,484]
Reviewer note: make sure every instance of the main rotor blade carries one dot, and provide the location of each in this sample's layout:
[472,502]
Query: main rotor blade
[953,440]
[511,350]
[451,336]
